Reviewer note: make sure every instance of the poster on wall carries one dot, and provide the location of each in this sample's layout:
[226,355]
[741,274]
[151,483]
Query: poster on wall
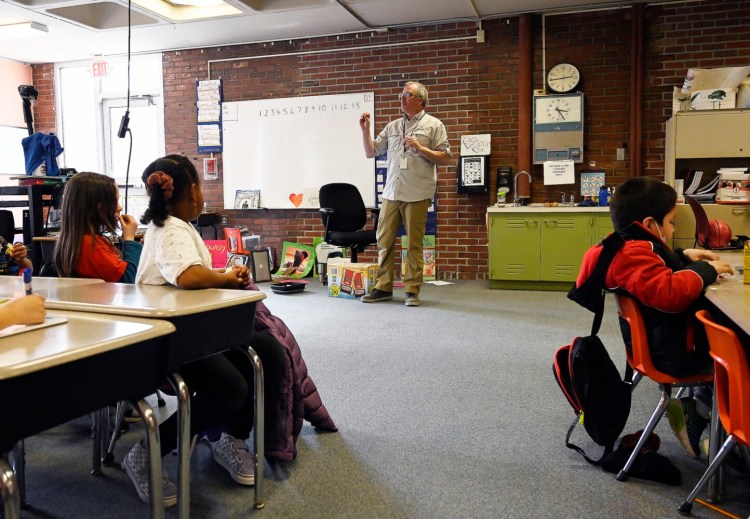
[209,116]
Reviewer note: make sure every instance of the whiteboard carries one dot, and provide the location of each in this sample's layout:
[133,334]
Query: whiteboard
[287,148]
[11,150]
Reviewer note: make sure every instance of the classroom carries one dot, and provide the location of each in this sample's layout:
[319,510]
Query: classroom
[449,409]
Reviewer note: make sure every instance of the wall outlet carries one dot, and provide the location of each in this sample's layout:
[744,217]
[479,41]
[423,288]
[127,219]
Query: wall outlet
[224,220]
[620,153]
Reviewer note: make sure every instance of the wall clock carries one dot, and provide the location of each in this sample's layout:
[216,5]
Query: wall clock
[563,77]
[558,127]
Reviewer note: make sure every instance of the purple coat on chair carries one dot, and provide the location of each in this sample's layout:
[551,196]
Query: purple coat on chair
[298,398]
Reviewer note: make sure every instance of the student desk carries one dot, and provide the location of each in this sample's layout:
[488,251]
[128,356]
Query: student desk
[54,374]
[208,321]
[12,286]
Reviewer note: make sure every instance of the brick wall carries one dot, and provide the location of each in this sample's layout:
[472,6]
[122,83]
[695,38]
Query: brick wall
[473,88]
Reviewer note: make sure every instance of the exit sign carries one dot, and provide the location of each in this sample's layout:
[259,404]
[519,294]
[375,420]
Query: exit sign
[99,69]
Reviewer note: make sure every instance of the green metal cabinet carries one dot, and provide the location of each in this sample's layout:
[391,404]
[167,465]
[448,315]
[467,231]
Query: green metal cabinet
[541,250]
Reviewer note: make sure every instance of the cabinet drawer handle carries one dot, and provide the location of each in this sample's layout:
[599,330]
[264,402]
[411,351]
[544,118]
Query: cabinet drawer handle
[738,210]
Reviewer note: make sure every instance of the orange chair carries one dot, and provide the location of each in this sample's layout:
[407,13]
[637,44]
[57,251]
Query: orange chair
[732,395]
[640,360]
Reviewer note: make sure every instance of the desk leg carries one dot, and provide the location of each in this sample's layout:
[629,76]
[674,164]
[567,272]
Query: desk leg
[183,444]
[9,491]
[258,428]
[19,467]
[155,491]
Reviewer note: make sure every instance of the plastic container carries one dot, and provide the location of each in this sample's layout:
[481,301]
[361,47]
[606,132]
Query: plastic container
[603,197]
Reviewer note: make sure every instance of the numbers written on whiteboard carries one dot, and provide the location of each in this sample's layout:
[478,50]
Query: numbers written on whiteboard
[308,109]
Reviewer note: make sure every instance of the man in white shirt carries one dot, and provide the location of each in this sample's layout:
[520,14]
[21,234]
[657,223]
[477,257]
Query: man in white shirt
[416,144]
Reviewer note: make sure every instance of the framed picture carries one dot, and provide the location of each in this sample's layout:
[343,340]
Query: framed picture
[236,259]
[473,174]
[260,265]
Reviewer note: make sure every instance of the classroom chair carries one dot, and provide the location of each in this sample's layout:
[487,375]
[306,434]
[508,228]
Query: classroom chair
[344,216]
[639,359]
[732,397]
[7,226]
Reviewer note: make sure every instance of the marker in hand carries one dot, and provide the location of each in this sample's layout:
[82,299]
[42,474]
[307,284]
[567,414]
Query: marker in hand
[27,281]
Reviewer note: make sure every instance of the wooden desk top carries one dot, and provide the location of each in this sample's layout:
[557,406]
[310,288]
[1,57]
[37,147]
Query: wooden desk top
[84,335]
[12,286]
[142,300]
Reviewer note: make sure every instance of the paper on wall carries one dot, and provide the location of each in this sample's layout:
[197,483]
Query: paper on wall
[558,172]
[476,144]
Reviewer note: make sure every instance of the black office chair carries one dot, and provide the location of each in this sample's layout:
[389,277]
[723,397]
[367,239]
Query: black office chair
[7,226]
[344,216]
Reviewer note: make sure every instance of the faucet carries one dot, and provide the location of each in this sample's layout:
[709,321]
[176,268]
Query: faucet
[562,199]
[516,198]
[572,199]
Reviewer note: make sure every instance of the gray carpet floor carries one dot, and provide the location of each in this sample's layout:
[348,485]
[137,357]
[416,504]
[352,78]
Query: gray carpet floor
[446,410]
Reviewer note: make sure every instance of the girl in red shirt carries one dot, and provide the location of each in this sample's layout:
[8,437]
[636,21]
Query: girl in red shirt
[91,213]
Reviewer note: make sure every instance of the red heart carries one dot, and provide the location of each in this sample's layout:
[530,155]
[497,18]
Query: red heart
[296,199]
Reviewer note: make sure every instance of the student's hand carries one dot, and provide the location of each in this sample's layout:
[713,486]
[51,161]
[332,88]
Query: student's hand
[25,310]
[18,251]
[700,254]
[233,277]
[722,267]
[364,122]
[129,226]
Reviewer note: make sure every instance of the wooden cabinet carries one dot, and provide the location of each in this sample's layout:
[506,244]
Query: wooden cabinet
[706,140]
[543,249]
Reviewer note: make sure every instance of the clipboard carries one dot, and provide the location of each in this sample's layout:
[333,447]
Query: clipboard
[22,328]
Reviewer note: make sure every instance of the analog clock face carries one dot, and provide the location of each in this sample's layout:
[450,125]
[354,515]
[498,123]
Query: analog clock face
[563,77]
[554,109]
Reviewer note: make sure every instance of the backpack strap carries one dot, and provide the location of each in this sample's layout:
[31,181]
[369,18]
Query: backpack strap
[607,450]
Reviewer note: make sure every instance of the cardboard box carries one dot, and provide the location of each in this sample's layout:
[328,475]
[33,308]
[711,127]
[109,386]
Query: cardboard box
[429,272]
[714,99]
[350,280]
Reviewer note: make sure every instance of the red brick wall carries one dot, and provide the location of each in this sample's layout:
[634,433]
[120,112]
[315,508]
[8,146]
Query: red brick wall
[474,89]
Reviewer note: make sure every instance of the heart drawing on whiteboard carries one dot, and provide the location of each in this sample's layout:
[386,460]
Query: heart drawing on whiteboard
[296,199]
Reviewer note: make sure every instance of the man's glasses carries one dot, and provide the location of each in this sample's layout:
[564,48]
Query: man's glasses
[407,95]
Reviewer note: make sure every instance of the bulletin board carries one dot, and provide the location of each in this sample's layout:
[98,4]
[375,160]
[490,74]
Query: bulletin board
[288,148]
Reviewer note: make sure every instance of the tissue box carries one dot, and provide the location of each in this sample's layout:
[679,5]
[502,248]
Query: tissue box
[350,280]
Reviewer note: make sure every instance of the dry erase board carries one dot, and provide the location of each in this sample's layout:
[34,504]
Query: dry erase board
[287,148]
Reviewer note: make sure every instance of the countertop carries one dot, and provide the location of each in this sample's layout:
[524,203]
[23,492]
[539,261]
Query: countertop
[532,208]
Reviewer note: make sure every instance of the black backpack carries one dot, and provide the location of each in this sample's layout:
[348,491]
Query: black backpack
[586,374]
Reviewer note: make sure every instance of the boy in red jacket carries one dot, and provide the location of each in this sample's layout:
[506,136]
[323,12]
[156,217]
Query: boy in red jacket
[669,286]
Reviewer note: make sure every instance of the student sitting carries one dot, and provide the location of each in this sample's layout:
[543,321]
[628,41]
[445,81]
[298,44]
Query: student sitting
[23,310]
[13,258]
[669,286]
[91,213]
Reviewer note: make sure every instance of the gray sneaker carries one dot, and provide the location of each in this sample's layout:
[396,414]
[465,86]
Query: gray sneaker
[234,455]
[412,299]
[136,465]
[376,296]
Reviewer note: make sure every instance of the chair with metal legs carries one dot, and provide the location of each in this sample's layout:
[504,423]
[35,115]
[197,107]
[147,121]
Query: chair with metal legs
[639,359]
[732,396]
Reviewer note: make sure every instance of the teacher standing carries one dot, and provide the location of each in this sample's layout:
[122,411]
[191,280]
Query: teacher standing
[416,144]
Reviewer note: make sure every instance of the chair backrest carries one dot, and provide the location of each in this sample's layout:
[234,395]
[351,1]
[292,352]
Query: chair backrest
[702,230]
[350,213]
[732,374]
[7,225]
[639,357]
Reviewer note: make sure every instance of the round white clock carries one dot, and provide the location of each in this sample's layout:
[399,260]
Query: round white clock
[563,77]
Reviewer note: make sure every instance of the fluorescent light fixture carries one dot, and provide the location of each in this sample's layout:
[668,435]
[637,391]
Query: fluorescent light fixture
[185,10]
[22,30]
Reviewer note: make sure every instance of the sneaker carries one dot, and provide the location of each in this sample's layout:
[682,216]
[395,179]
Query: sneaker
[136,465]
[235,456]
[412,299]
[687,425]
[376,296]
